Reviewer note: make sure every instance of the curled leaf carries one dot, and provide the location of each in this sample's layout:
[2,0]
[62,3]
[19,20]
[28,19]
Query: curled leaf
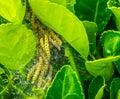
[110,41]
[103,67]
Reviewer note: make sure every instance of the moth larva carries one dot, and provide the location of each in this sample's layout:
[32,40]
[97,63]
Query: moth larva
[46,47]
[31,72]
[38,69]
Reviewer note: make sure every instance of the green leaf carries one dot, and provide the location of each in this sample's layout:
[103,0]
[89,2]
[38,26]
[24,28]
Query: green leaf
[65,85]
[117,64]
[114,6]
[118,94]
[12,10]
[69,4]
[5,84]
[17,45]
[1,70]
[103,67]
[110,41]
[63,22]
[93,10]
[114,88]
[91,29]
[96,88]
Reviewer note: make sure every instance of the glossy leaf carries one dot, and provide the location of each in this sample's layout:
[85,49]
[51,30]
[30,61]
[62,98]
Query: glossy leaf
[110,41]
[103,67]
[93,10]
[17,45]
[65,85]
[115,8]
[1,70]
[69,4]
[114,88]
[96,88]
[63,22]
[91,29]
[12,10]
[118,94]
[117,64]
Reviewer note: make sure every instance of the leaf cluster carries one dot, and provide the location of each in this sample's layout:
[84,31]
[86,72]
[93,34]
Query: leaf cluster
[88,65]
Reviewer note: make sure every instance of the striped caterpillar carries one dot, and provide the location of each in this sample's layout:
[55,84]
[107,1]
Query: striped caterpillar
[41,72]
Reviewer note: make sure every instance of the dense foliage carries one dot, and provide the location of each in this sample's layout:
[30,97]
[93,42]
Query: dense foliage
[59,49]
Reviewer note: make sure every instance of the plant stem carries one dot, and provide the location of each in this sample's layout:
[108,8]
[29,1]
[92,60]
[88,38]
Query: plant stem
[71,58]
[93,58]
[6,87]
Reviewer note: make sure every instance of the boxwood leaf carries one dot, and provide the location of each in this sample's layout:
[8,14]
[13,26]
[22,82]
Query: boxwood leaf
[115,8]
[63,22]
[93,10]
[65,85]
[17,45]
[117,64]
[118,94]
[67,3]
[114,88]
[12,10]
[1,70]
[110,41]
[91,29]
[96,88]
[103,67]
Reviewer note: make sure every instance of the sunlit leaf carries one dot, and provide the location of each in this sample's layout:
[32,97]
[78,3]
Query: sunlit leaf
[67,3]
[65,85]
[118,94]
[12,10]
[63,22]
[110,41]
[103,67]
[17,45]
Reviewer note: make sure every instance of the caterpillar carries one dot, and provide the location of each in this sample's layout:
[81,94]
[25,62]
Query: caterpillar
[48,78]
[38,69]
[54,43]
[42,75]
[31,72]
[54,36]
[41,43]
[46,47]
[54,39]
